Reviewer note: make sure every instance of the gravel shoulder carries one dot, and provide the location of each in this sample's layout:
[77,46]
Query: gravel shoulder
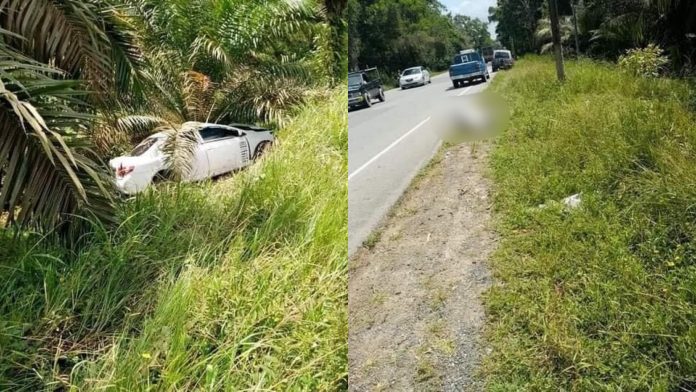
[415,311]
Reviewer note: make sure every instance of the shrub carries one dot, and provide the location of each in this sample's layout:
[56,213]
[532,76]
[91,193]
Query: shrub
[645,62]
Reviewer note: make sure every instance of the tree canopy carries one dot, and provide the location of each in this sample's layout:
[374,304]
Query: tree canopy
[607,28]
[393,35]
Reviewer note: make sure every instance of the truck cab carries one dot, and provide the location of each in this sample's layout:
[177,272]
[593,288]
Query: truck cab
[468,66]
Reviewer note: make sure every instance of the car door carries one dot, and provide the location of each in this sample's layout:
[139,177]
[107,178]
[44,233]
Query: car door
[222,147]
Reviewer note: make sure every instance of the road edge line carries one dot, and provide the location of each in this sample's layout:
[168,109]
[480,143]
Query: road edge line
[397,141]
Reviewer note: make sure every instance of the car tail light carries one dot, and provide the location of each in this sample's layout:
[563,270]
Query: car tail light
[122,171]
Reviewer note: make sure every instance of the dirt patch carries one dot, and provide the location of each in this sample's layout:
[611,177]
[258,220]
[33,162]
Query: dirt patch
[416,315]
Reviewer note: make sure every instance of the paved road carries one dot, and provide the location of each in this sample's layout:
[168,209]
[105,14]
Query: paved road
[387,145]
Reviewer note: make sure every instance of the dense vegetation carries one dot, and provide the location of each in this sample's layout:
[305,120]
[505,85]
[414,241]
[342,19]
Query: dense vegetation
[228,285]
[231,285]
[607,28]
[394,35]
[86,77]
[599,297]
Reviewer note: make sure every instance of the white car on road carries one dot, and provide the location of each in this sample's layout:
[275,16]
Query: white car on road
[414,76]
[220,149]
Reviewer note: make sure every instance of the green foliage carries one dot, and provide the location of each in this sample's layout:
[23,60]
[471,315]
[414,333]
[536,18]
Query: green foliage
[606,28]
[545,38]
[56,56]
[395,35]
[601,297]
[99,74]
[517,23]
[646,62]
[238,284]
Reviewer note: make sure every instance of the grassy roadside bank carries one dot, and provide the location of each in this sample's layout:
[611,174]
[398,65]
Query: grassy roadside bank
[601,297]
[231,285]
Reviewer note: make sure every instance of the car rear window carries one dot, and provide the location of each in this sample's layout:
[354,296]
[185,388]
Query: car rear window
[465,58]
[141,148]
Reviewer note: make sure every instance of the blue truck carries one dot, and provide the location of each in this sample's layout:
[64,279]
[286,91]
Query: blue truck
[468,66]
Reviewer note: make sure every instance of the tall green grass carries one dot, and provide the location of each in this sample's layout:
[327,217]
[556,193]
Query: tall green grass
[231,285]
[603,297]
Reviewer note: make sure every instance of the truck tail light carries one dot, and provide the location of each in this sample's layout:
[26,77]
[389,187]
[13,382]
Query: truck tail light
[122,171]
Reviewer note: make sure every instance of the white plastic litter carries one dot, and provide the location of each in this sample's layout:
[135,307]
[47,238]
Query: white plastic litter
[572,201]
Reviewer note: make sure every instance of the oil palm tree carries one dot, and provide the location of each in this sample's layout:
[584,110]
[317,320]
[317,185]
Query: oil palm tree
[249,62]
[57,57]
[544,36]
[46,171]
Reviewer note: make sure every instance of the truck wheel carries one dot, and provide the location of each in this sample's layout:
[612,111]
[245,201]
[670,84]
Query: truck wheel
[368,100]
[381,95]
[455,84]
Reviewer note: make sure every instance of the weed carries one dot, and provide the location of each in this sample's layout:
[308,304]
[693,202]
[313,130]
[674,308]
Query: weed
[229,285]
[373,239]
[600,298]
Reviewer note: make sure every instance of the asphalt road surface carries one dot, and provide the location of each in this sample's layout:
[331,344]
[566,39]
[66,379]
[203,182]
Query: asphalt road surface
[387,145]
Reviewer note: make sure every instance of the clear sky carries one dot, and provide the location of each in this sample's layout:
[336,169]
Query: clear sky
[473,8]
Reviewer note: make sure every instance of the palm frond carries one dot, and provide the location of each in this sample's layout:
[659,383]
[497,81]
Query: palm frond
[47,171]
[179,147]
[83,38]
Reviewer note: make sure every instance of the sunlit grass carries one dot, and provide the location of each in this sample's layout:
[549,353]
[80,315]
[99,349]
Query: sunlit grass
[601,297]
[230,285]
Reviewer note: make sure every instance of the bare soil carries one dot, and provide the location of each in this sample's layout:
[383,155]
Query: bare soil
[415,311]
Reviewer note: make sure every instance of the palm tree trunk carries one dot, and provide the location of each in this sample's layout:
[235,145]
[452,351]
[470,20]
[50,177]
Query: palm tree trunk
[556,34]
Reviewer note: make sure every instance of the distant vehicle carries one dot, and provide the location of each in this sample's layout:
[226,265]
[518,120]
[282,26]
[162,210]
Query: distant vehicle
[363,87]
[487,54]
[502,59]
[220,149]
[468,66]
[415,76]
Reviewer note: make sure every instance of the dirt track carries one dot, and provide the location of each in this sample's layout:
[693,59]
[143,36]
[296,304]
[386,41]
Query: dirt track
[414,297]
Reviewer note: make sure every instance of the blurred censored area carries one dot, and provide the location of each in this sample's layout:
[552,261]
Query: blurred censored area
[472,117]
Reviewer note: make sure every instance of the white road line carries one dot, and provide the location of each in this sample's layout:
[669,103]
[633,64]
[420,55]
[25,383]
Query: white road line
[464,91]
[368,163]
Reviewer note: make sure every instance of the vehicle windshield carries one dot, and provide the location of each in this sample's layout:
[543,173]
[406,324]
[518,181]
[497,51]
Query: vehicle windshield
[411,71]
[466,58]
[502,55]
[354,80]
[145,145]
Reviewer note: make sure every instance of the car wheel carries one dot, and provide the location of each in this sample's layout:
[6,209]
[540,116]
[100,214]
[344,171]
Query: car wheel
[261,149]
[368,100]
[381,95]
[162,176]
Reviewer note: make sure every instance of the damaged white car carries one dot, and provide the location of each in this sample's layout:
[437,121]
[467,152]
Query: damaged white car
[219,149]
